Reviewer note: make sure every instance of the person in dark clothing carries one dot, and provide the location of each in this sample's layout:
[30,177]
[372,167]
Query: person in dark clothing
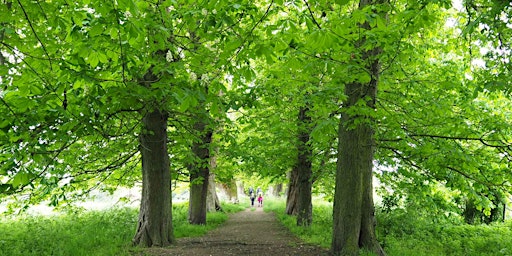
[252,197]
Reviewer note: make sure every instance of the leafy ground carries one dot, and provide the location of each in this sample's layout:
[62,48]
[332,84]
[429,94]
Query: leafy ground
[250,232]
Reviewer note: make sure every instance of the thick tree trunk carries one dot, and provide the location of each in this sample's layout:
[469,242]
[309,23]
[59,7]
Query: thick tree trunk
[354,222]
[155,216]
[304,204]
[291,192]
[353,213]
[199,175]
[348,196]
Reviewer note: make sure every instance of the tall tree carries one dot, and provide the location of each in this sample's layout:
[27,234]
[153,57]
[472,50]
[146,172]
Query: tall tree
[353,211]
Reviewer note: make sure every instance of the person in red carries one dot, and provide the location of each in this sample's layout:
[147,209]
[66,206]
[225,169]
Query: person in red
[260,200]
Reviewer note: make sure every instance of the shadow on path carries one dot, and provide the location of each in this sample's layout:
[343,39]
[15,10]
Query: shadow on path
[250,232]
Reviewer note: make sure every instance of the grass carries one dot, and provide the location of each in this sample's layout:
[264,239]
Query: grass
[90,233]
[402,233]
[318,233]
[110,232]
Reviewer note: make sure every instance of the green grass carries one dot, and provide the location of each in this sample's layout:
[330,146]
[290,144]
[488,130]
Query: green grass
[318,233]
[90,233]
[402,233]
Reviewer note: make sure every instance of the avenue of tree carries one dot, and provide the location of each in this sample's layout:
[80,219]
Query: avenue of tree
[321,95]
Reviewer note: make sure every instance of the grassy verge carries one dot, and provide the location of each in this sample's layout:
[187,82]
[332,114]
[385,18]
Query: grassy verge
[318,233]
[402,233]
[90,233]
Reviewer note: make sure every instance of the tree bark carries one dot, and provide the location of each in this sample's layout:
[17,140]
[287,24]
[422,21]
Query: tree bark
[291,192]
[155,216]
[304,171]
[212,200]
[353,213]
[199,174]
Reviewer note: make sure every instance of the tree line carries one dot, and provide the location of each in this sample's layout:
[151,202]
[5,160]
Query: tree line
[320,94]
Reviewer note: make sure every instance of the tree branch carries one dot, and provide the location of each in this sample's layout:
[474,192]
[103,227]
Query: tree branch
[312,15]
[35,34]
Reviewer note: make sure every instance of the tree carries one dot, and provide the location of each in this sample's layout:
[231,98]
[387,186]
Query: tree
[354,221]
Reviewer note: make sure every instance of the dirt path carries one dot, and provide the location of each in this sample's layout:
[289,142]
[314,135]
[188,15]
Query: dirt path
[250,232]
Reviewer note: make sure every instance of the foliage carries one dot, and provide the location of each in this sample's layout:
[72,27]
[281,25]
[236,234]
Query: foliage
[95,82]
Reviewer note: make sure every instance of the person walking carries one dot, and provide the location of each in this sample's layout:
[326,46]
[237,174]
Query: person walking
[252,197]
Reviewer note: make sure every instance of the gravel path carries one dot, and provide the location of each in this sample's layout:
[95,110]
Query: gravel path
[250,232]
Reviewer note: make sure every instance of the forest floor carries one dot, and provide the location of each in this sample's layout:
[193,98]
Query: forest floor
[249,232]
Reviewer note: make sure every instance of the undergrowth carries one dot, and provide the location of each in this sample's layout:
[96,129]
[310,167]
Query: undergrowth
[404,233]
[99,233]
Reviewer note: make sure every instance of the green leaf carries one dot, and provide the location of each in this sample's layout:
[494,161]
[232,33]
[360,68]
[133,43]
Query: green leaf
[21,179]
[102,57]
[5,123]
[93,59]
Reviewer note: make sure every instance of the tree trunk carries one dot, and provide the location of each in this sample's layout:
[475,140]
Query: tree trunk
[278,188]
[470,211]
[240,190]
[291,192]
[155,216]
[353,213]
[231,190]
[212,200]
[304,205]
[348,195]
[199,175]
[368,238]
